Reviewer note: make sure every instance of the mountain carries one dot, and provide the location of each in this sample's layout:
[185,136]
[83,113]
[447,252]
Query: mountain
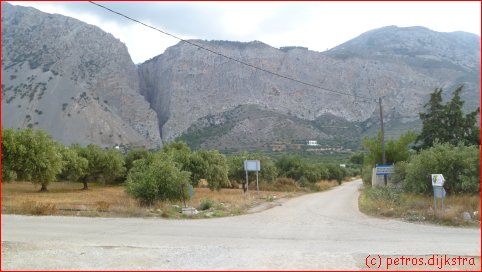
[450,59]
[195,92]
[73,80]
[79,83]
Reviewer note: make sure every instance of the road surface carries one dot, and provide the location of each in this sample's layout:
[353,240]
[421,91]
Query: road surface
[322,231]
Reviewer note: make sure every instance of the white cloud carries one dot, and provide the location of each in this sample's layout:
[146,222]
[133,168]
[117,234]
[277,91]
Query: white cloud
[151,42]
[317,25]
[242,21]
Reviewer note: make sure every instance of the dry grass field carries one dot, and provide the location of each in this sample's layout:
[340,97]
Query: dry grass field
[420,208]
[68,198]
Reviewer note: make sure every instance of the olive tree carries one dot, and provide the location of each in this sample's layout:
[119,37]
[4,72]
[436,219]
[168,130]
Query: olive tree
[75,166]
[103,165]
[32,155]
[212,166]
[9,153]
[157,178]
[113,166]
[133,155]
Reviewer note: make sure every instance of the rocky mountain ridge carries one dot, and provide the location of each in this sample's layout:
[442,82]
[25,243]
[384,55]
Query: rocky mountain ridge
[403,65]
[79,83]
[73,80]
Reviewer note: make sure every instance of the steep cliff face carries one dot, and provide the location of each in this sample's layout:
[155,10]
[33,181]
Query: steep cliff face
[402,65]
[185,84]
[79,83]
[71,79]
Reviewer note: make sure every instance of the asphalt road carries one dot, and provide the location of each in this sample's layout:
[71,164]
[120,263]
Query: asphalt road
[317,231]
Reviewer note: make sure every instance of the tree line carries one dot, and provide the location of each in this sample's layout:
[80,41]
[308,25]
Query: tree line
[149,176]
[448,144]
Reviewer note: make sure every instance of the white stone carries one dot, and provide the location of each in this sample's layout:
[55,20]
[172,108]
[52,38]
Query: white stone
[189,211]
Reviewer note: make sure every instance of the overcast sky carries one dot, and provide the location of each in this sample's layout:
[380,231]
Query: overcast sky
[316,25]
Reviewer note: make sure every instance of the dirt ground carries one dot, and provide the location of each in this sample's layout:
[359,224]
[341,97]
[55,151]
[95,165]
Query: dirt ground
[320,231]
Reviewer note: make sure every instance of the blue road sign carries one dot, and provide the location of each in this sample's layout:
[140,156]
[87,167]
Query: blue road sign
[384,169]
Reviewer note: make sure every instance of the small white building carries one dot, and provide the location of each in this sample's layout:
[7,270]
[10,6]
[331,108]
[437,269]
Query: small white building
[313,143]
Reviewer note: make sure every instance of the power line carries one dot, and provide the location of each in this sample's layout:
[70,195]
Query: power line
[367,99]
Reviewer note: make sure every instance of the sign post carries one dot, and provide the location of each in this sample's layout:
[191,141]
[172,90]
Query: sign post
[438,189]
[251,165]
[191,191]
[245,185]
[188,210]
[182,194]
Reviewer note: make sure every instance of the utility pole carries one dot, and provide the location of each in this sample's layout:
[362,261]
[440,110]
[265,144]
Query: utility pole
[384,160]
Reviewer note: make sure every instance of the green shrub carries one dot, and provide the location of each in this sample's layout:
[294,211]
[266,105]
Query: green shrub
[303,181]
[157,179]
[460,166]
[313,173]
[206,204]
[395,151]
[212,166]
[367,175]
[218,213]
[400,172]
[290,166]
[336,172]
[308,170]
[353,170]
